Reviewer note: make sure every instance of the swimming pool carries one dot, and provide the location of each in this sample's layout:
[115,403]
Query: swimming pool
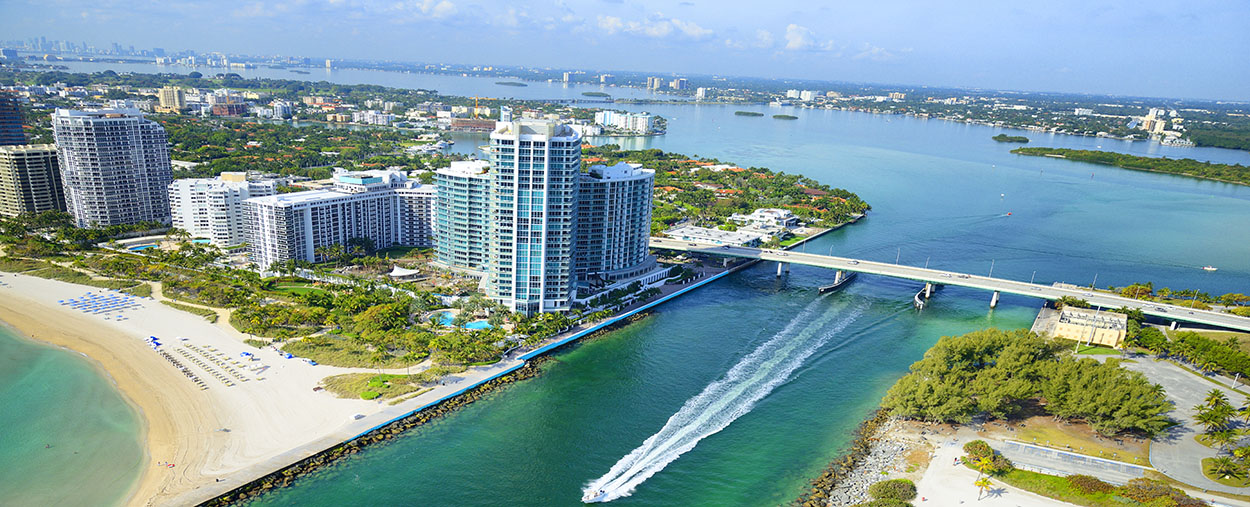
[201,241]
[446,318]
[141,247]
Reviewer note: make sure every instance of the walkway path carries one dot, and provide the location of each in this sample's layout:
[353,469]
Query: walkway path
[947,484]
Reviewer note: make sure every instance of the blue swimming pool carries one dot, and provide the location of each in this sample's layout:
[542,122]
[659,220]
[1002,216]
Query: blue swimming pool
[446,318]
[202,241]
[141,247]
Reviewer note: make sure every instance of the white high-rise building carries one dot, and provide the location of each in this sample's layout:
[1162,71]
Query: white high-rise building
[700,93]
[213,207]
[792,94]
[462,217]
[613,224]
[382,206]
[807,95]
[534,178]
[281,109]
[114,166]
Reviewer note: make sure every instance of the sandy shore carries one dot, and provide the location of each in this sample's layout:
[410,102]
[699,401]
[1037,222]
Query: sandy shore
[268,415]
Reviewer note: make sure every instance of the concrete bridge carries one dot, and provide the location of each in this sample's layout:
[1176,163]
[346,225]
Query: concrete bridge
[933,278]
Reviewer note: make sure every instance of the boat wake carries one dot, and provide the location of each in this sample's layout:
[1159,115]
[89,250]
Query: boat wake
[726,399]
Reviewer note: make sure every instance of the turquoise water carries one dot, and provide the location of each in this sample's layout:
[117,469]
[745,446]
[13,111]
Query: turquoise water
[141,247]
[940,193]
[774,377]
[53,397]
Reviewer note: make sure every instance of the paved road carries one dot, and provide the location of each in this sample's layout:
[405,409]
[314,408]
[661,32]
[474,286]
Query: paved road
[940,277]
[1177,454]
[1056,462]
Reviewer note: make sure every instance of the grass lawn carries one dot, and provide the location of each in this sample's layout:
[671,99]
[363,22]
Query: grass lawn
[792,240]
[333,350]
[1236,482]
[298,289]
[1052,486]
[208,315]
[1080,439]
[399,252]
[1097,350]
[1243,339]
[13,265]
[374,386]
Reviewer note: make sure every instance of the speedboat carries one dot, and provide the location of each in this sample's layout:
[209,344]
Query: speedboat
[594,496]
[1209,268]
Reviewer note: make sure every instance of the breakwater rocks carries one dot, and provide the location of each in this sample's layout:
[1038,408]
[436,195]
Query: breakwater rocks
[286,476]
[844,470]
[885,455]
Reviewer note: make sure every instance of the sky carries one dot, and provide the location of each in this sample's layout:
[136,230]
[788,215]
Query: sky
[1155,48]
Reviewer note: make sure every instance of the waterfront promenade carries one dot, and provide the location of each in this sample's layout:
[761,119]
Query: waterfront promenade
[940,277]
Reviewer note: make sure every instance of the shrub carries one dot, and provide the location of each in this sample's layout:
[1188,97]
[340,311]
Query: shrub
[369,395]
[884,502]
[896,489]
[1088,484]
[260,344]
[978,449]
[1145,490]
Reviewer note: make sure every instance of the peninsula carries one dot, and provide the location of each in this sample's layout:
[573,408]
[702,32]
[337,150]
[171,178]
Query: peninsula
[1004,138]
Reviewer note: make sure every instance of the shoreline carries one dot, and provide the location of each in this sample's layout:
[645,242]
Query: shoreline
[132,490]
[158,424]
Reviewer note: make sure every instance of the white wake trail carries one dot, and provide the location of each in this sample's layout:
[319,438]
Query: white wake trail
[724,400]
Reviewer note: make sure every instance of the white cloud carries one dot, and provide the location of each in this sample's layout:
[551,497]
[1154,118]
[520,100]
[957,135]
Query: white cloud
[868,51]
[799,38]
[764,39]
[656,27]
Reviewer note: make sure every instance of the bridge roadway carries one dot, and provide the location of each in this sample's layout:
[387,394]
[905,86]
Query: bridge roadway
[939,277]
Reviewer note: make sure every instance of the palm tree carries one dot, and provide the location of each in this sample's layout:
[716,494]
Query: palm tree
[983,465]
[1223,438]
[1242,453]
[983,486]
[1226,468]
[1215,397]
[1210,420]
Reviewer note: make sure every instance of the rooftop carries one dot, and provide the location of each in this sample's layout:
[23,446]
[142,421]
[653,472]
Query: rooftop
[620,171]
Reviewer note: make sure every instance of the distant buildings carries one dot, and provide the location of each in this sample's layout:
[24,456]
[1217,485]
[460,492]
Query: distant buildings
[373,117]
[679,84]
[632,122]
[808,95]
[30,180]
[613,224]
[700,93]
[114,166]
[10,120]
[655,83]
[1083,111]
[213,207]
[568,76]
[171,99]
[534,168]
[381,206]
[282,109]
[792,94]
[462,216]
[897,96]
[605,78]
[230,109]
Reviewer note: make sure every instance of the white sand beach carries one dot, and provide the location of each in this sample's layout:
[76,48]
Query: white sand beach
[217,438]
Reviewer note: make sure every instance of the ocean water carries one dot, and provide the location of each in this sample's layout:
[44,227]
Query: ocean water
[67,437]
[741,391]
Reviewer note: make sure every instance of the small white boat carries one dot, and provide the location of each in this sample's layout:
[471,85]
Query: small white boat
[1209,268]
[594,496]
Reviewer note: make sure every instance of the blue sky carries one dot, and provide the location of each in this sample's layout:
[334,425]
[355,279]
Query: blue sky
[1194,49]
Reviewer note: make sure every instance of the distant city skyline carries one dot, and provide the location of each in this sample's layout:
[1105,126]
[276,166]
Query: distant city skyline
[1150,49]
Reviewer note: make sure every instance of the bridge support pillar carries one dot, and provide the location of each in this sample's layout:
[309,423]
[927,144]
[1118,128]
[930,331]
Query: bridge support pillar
[994,300]
[928,290]
[781,266]
[838,276]
[1174,325]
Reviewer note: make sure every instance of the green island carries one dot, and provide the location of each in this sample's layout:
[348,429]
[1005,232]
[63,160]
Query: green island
[785,117]
[1004,138]
[1234,173]
[748,113]
[686,189]
[510,83]
[595,94]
